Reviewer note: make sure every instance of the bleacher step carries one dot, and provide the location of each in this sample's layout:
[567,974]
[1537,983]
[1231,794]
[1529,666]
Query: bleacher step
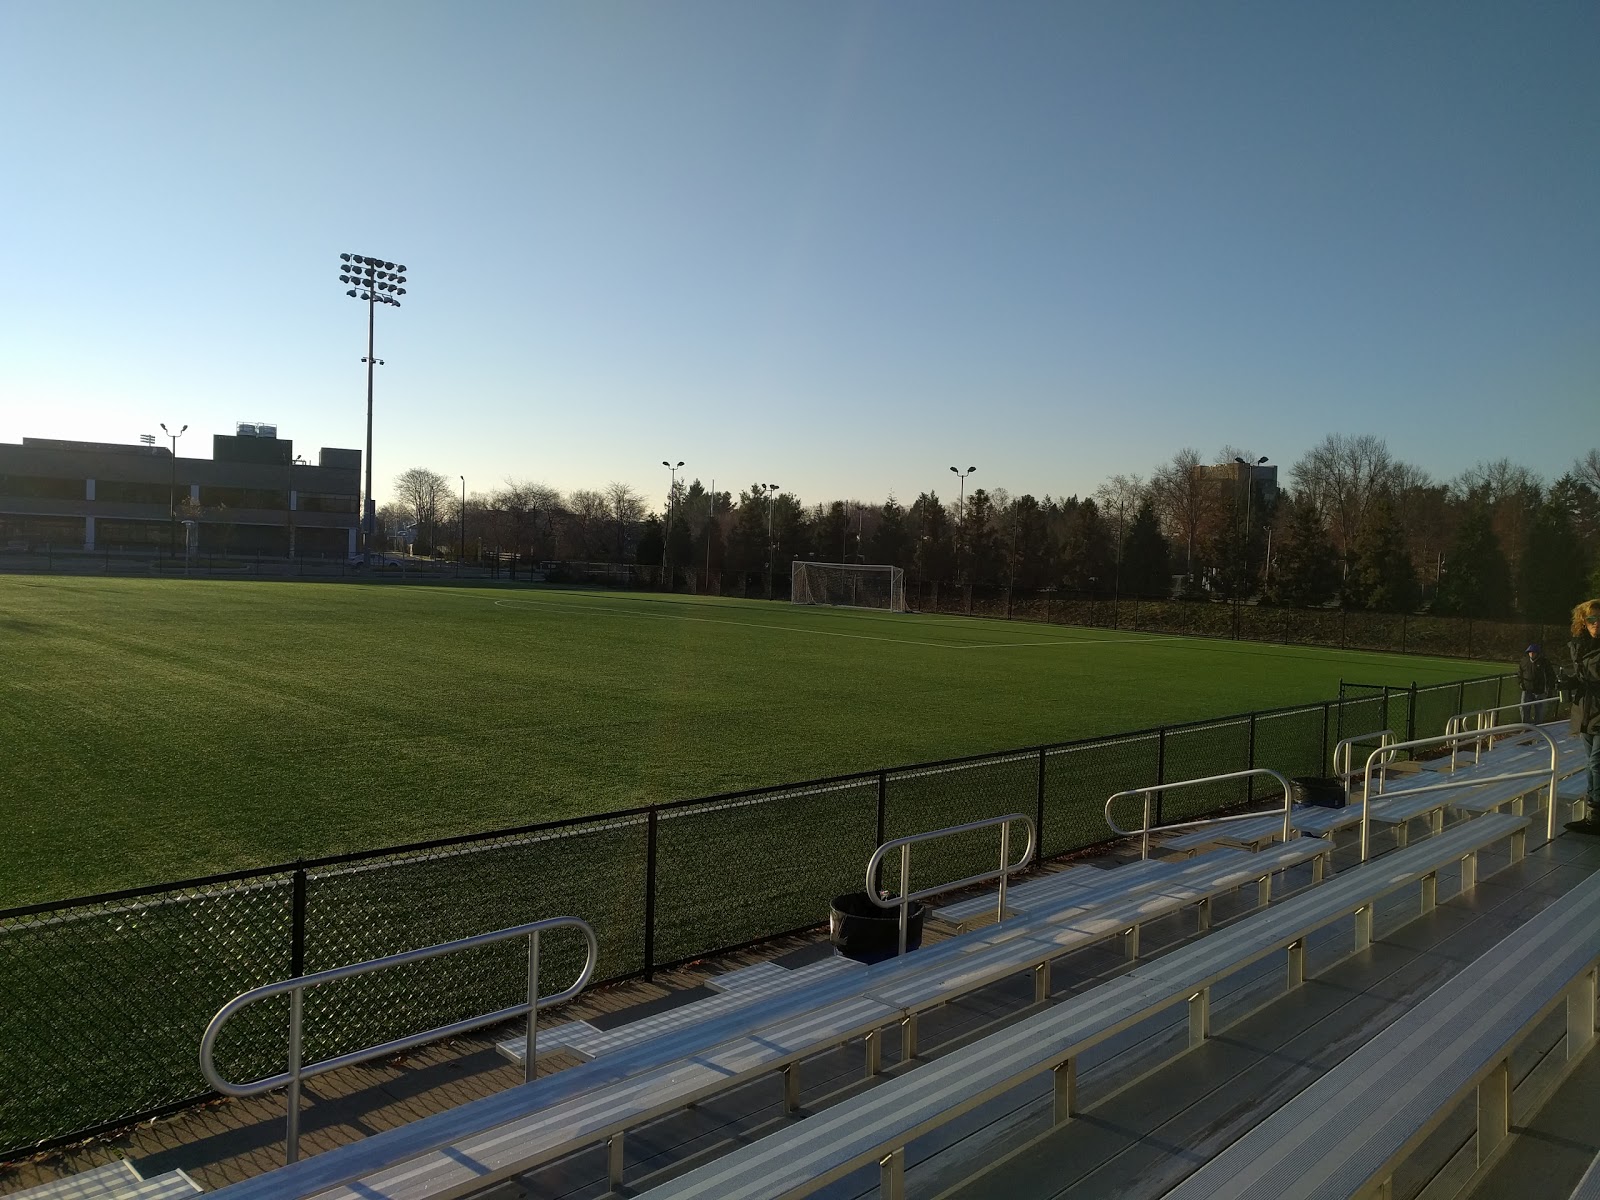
[114,1181]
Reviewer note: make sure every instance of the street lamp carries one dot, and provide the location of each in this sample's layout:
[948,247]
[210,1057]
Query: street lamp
[666,540]
[172,492]
[961,523]
[462,520]
[289,500]
[771,490]
[377,282]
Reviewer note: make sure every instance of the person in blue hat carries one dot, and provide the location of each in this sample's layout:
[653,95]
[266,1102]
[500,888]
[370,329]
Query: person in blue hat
[1537,679]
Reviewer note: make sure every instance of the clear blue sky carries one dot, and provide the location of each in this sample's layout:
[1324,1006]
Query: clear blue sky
[839,246]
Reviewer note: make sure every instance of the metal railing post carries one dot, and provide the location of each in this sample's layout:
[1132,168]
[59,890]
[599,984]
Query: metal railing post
[883,807]
[530,1051]
[1250,762]
[1005,857]
[296,1034]
[1161,768]
[905,893]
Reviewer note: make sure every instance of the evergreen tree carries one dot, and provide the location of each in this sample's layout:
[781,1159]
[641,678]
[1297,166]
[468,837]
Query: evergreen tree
[1088,551]
[651,543]
[1306,570]
[982,547]
[830,533]
[890,543]
[1146,565]
[934,553]
[1030,553]
[1477,580]
[1381,577]
[1550,577]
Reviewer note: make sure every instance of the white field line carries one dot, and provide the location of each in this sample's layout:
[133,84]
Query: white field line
[865,637]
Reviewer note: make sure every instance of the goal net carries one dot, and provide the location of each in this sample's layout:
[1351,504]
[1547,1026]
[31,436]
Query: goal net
[849,586]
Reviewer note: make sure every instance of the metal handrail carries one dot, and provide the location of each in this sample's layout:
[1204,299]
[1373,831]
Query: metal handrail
[1006,868]
[1346,746]
[296,987]
[1453,740]
[1147,792]
[1458,724]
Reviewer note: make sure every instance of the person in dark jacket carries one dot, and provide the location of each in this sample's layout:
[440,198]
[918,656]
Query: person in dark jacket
[1537,679]
[1585,651]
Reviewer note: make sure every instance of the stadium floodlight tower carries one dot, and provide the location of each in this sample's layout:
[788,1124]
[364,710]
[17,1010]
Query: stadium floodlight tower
[172,492]
[1249,494]
[961,523]
[377,282]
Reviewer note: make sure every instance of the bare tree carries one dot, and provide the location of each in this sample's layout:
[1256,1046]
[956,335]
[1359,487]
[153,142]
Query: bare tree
[425,496]
[1183,500]
[627,510]
[586,526]
[1340,476]
[1587,469]
[1513,494]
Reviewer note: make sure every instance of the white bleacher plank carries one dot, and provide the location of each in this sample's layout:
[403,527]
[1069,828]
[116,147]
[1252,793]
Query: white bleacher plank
[797,1160]
[1343,1134]
[761,972]
[499,1152]
[1589,1186]
[114,1181]
[964,912]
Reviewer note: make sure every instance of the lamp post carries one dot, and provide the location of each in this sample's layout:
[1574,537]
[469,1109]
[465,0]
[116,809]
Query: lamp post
[288,501]
[961,518]
[461,518]
[172,492]
[1244,573]
[666,539]
[377,282]
[771,490]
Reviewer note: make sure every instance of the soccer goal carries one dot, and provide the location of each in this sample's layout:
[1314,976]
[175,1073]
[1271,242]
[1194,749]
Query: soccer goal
[849,585]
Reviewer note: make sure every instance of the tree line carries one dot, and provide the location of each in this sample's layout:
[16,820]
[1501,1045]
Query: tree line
[1347,524]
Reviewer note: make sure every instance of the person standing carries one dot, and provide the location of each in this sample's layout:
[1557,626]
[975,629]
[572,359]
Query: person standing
[1537,679]
[1585,649]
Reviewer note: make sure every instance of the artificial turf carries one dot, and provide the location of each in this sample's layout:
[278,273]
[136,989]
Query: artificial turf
[168,728]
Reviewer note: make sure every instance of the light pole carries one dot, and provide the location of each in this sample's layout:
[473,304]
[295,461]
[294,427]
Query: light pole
[461,519]
[1249,495]
[961,518]
[377,282]
[771,490]
[172,492]
[666,540]
[288,501]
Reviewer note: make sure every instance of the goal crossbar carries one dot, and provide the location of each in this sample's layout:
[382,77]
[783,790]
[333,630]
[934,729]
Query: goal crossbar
[849,585]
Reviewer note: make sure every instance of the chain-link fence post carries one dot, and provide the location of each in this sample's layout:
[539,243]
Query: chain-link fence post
[297,924]
[1411,713]
[883,808]
[1161,767]
[1038,816]
[1325,707]
[1250,783]
[651,821]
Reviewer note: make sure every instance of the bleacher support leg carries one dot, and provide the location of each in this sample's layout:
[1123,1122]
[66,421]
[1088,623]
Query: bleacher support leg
[1297,963]
[1469,871]
[1494,1110]
[791,1088]
[1130,942]
[1402,834]
[1319,868]
[1519,845]
[1066,1090]
[874,1045]
[614,1161]
[1363,927]
[1041,983]
[892,1175]
[1204,908]
[1580,1015]
[1430,891]
[1436,822]
[908,1038]
[1264,891]
[1199,1016]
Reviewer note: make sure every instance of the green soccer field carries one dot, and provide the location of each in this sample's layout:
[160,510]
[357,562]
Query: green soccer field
[162,729]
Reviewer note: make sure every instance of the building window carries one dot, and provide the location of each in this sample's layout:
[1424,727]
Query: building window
[117,491]
[251,498]
[326,502]
[39,487]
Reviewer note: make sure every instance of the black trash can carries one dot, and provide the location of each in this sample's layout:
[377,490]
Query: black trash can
[859,929]
[1318,791]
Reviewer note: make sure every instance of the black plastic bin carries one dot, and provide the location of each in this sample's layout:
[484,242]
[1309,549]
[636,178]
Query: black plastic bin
[859,929]
[1318,791]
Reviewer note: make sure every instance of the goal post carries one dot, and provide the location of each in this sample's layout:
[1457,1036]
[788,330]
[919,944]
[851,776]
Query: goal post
[849,585]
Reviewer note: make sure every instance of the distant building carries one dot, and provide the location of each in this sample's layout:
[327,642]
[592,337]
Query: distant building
[250,497]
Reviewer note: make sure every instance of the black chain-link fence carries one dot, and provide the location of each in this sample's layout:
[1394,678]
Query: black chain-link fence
[105,998]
